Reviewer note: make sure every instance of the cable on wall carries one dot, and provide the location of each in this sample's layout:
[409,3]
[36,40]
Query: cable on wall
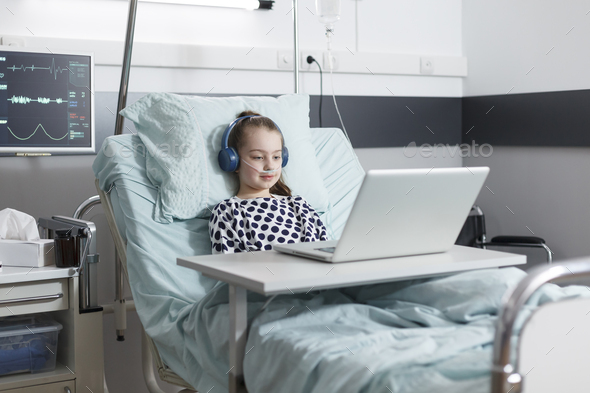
[311,59]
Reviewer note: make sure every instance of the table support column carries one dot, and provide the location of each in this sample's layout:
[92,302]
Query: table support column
[238,333]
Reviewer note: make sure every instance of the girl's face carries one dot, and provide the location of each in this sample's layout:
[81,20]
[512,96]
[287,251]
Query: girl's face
[262,151]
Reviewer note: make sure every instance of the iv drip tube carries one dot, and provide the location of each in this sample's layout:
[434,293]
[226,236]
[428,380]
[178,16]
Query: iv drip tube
[329,32]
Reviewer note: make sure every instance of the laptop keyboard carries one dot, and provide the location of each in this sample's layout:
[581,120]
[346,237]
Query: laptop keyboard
[327,249]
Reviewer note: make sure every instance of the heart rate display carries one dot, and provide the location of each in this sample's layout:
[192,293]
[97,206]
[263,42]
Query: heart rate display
[40,100]
[46,102]
[51,68]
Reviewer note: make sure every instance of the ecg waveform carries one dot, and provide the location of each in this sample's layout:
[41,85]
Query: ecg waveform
[40,100]
[52,69]
[34,132]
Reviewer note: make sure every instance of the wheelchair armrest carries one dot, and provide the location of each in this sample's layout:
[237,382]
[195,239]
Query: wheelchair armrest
[520,241]
[499,240]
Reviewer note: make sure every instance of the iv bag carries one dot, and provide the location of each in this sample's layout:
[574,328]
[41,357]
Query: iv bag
[328,11]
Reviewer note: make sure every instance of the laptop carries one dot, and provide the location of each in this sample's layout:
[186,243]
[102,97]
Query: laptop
[401,212]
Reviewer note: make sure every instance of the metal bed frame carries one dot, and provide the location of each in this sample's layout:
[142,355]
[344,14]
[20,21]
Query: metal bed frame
[505,376]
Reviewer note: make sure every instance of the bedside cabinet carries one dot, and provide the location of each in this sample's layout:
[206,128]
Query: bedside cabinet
[80,358]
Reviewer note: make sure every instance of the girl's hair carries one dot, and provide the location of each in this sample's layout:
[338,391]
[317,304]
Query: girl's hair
[237,136]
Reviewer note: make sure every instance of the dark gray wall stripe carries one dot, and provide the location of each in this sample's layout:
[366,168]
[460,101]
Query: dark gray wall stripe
[559,118]
[535,119]
[392,121]
[370,121]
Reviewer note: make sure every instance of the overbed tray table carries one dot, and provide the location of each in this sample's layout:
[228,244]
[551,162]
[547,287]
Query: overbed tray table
[273,273]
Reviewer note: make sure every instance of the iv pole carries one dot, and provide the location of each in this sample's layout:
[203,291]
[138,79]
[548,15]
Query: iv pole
[296,46]
[124,85]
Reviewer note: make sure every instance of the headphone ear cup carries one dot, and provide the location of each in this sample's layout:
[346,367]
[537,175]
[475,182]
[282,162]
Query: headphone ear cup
[228,159]
[285,156]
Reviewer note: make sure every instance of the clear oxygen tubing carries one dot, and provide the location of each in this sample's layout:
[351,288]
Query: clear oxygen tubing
[328,211]
[267,172]
[329,32]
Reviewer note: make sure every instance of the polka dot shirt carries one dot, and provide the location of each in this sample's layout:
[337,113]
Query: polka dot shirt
[239,225]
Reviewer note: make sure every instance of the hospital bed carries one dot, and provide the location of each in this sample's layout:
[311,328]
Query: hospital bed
[185,314]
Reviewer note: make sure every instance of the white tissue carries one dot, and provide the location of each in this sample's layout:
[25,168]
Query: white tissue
[17,225]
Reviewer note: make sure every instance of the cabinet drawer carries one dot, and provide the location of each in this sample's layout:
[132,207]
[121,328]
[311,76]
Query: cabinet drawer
[58,387]
[33,297]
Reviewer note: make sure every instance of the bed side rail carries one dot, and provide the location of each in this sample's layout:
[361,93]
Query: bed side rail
[120,262]
[120,245]
[506,376]
[150,353]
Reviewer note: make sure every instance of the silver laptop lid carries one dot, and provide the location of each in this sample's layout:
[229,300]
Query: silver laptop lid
[409,211]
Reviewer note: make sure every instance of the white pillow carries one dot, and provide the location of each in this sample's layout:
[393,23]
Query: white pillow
[183,137]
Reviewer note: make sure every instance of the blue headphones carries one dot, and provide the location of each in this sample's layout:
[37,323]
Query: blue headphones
[228,157]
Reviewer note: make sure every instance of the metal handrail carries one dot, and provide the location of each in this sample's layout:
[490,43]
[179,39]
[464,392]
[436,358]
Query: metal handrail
[505,376]
[85,206]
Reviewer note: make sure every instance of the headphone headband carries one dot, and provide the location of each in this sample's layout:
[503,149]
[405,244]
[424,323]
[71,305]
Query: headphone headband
[228,157]
[225,137]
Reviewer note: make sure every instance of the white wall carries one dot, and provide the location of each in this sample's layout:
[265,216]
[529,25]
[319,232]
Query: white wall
[422,27]
[425,27]
[544,187]
[410,157]
[504,40]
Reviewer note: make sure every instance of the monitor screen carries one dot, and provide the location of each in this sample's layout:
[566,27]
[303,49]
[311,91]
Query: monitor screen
[46,101]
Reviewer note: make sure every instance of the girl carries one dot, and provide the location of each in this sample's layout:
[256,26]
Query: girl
[263,212]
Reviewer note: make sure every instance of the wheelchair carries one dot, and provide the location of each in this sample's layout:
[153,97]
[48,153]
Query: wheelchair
[473,234]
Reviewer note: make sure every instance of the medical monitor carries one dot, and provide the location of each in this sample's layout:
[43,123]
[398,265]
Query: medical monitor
[46,101]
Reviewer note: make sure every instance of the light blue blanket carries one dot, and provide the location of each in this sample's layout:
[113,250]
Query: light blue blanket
[410,336]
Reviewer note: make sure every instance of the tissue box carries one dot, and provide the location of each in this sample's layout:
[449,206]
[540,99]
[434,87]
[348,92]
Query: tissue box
[27,253]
